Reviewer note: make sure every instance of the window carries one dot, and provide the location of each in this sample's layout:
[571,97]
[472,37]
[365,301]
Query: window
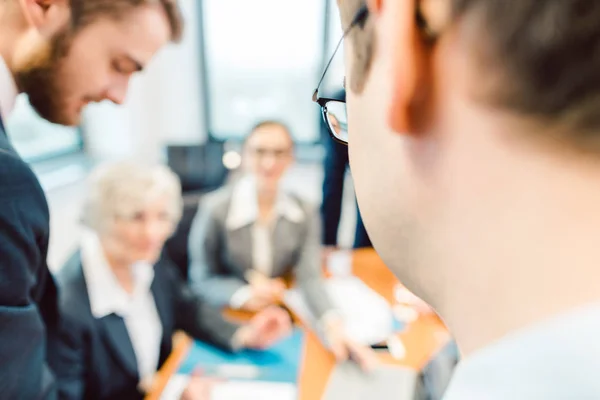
[263,59]
[36,139]
[335,75]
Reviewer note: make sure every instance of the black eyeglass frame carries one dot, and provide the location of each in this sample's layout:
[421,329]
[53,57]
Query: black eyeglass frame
[359,19]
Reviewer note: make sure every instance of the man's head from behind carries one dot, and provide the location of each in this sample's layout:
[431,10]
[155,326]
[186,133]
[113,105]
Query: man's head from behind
[457,111]
[73,52]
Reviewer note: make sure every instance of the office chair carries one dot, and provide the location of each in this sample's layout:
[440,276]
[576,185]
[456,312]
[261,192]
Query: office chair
[199,167]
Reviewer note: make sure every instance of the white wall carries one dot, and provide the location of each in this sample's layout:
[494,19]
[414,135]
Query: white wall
[164,103]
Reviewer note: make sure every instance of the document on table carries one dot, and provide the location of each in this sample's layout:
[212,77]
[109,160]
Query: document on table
[387,382]
[246,390]
[367,315]
[234,390]
[175,387]
[339,263]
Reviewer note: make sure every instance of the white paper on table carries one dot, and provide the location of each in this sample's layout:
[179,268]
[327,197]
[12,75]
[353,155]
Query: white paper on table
[367,315]
[253,390]
[349,382]
[234,390]
[339,263]
[175,387]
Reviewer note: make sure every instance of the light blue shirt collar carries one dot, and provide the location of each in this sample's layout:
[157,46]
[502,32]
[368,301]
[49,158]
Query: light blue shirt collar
[555,359]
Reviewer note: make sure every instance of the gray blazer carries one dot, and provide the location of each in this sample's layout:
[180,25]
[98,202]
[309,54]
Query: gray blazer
[220,256]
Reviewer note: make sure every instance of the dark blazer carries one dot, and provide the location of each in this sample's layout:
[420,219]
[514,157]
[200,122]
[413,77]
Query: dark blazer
[95,358]
[28,304]
[335,164]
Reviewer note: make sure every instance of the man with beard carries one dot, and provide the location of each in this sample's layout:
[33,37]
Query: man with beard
[63,55]
[474,139]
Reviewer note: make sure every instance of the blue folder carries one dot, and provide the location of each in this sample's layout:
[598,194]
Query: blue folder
[280,363]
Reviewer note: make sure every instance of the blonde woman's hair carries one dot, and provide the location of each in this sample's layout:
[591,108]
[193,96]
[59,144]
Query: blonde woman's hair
[122,189]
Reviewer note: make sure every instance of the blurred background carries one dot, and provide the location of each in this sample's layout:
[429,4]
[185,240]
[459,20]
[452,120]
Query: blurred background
[194,102]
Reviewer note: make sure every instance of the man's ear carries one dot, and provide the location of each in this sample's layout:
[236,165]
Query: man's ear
[401,34]
[46,16]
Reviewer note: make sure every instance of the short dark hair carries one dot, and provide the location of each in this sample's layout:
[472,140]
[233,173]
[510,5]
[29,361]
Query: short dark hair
[85,11]
[266,123]
[545,54]
[363,40]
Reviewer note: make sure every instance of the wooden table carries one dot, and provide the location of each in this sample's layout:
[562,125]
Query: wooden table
[423,338]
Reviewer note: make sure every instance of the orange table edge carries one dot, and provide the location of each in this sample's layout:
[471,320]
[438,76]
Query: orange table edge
[181,346]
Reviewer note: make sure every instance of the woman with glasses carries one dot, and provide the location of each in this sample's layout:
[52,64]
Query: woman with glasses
[250,237]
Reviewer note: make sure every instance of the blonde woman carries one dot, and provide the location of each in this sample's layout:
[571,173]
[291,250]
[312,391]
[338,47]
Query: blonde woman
[120,305]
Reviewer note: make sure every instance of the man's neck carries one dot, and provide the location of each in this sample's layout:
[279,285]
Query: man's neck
[11,29]
[478,322]
[8,90]
[538,257]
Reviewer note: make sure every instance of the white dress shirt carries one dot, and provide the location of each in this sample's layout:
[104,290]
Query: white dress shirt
[137,309]
[8,91]
[558,359]
[243,211]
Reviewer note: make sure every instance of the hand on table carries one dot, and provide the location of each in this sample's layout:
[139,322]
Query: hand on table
[265,292]
[326,252]
[345,348]
[265,328]
[405,297]
[199,388]
[256,303]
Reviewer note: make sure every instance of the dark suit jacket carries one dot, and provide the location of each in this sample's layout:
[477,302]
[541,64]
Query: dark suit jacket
[95,358]
[335,164]
[28,305]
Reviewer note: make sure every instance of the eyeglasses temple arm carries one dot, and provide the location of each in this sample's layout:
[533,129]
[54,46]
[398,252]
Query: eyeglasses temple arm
[358,19]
